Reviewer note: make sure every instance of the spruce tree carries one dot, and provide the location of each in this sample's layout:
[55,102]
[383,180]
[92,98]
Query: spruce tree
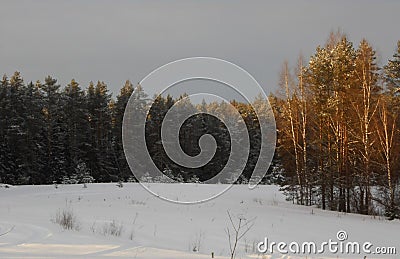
[100,157]
[392,72]
[118,110]
[6,165]
[34,143]
[76,119]
[54,132]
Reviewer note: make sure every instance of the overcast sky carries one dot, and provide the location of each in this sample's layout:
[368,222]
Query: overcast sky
[113,41]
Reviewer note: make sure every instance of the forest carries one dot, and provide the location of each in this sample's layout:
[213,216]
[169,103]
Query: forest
[338,131]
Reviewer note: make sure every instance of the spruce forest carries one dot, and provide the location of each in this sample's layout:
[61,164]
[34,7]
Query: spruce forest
[337,123]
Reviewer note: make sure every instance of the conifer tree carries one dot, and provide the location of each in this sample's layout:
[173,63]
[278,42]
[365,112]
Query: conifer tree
[100,157]
[76,119]
[118,115]
[392,72]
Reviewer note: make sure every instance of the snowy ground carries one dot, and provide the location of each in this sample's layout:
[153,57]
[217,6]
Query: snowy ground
[153,228]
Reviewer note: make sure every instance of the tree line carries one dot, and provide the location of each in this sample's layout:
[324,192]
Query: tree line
[50,134]
[338,128]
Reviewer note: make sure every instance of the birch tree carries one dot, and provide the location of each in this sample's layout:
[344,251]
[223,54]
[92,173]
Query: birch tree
[388,134]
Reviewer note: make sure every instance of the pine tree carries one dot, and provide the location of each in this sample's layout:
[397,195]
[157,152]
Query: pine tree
[329,77]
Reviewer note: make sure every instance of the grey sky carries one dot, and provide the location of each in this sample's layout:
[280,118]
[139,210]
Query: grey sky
[117,40]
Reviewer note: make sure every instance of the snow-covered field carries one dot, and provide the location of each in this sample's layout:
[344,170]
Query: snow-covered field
[153,228]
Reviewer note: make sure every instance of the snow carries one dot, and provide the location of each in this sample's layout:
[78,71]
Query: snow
[154,228]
